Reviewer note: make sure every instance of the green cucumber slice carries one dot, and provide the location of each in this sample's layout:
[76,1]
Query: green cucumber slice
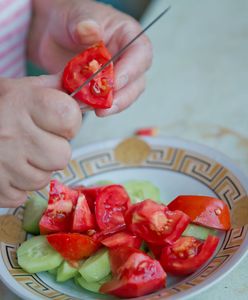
[96,266]
[103,182]
[92,286]
[33,211]
[139,190]
[199,232]
[53,271]
[65,272]
[36,255]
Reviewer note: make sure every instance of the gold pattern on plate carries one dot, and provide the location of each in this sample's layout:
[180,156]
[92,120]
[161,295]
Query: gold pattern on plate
[132,151]
[11,230]
[240,213]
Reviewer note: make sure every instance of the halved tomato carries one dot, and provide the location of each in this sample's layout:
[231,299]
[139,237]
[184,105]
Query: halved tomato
[154,223]
[204,210]
[135,274]
[187,254]
[122,239]
[112,201]
[58,215]
[72,246]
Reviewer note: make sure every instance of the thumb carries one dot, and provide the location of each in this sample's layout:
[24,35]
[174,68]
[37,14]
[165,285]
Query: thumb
[48,81]
[85,32]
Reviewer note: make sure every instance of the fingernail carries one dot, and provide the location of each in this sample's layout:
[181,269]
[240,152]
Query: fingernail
[107,112]
[88,28]
[121,81]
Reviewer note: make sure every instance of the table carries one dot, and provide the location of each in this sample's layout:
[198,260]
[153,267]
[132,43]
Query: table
[197,89]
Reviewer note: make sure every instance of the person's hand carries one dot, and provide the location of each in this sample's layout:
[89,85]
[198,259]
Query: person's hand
[36,123]
[62,28]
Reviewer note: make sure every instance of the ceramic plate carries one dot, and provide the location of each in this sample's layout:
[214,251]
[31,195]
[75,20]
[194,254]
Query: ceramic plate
[176,167]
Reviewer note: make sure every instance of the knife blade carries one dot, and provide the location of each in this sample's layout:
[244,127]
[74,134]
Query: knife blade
[115,57]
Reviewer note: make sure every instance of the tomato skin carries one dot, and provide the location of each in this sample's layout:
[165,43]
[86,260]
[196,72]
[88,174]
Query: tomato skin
[149,131]
[137,274]
[154,223]
[72,246]
[204,210]
[90,194]
[101,235]
[111,203]
[200,253]
[83,219]
[122,239]
[58,215]
[99,92]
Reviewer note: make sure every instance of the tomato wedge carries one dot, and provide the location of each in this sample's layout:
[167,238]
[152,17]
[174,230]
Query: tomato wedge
[83,219]
[90,194]
[204,210]
[58,215]
[187,255]
[99,92]
[112,201]
[137,274]
[72,246]
[122,239]
[154,223]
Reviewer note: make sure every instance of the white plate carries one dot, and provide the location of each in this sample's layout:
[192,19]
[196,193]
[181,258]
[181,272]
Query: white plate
[176,167]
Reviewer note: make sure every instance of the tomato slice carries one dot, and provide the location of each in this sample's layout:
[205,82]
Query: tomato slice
[122,239]
[90,194]
[83,219]
[58,215]
[137,274]
[111,203]
[187,255]
[154,223]
[99,92]
[101,235]
[204,210]
[72,246]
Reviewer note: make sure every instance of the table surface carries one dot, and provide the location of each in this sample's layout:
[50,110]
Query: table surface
[197,89]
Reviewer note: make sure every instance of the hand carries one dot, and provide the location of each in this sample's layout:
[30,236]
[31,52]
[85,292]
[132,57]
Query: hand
[36,122]
[61,29]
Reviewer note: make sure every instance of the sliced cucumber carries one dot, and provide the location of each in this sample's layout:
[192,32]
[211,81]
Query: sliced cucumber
[36,255]
[140,190]
[53,271]
[65,272]
[199,232]
[34,209]
[92,286]
[103,182]
[144,247]
[96,267]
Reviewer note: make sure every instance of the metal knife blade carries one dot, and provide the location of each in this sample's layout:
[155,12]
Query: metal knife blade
[115,57]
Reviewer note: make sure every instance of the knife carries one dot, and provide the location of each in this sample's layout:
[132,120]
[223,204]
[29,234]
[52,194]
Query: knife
[85,107]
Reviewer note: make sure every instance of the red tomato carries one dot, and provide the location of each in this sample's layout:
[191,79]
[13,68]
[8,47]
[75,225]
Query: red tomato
[58,215]
[204,210]
[99,92]
[149,131]
[83,219]
[111,203]
[154,223]
[90,194]
[72,246]
[101,235]
[122,239]
[137,274]
[155,249]
[187,255]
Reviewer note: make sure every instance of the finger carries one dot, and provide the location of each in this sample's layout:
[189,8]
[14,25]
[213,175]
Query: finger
[11,197]
[56,112]
[124,98]
[137,58]
[49,81]
[86,32]
[48,152]
[29,178]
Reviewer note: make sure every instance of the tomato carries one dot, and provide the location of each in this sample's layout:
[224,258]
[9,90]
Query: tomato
[99,92]
[155,249]
[122,239]
[111,203]
[72,246]
[101,235]
[187,254]
[149,131]
[58,215]
[204,210]
[137,274]
[90,194]
[83,219]
[154,223]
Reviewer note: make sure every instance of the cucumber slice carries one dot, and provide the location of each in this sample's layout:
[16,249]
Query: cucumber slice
[65,272]
[103,182]
[53,271]
[199,232]
[96,266]
[36,255]
[92,286]
[139,190]
[34,209]
[144,247]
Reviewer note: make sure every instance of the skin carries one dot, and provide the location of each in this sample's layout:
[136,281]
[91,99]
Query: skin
[37,119]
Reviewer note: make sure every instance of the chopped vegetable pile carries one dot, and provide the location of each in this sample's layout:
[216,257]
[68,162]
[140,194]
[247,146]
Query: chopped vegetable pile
[119,241]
